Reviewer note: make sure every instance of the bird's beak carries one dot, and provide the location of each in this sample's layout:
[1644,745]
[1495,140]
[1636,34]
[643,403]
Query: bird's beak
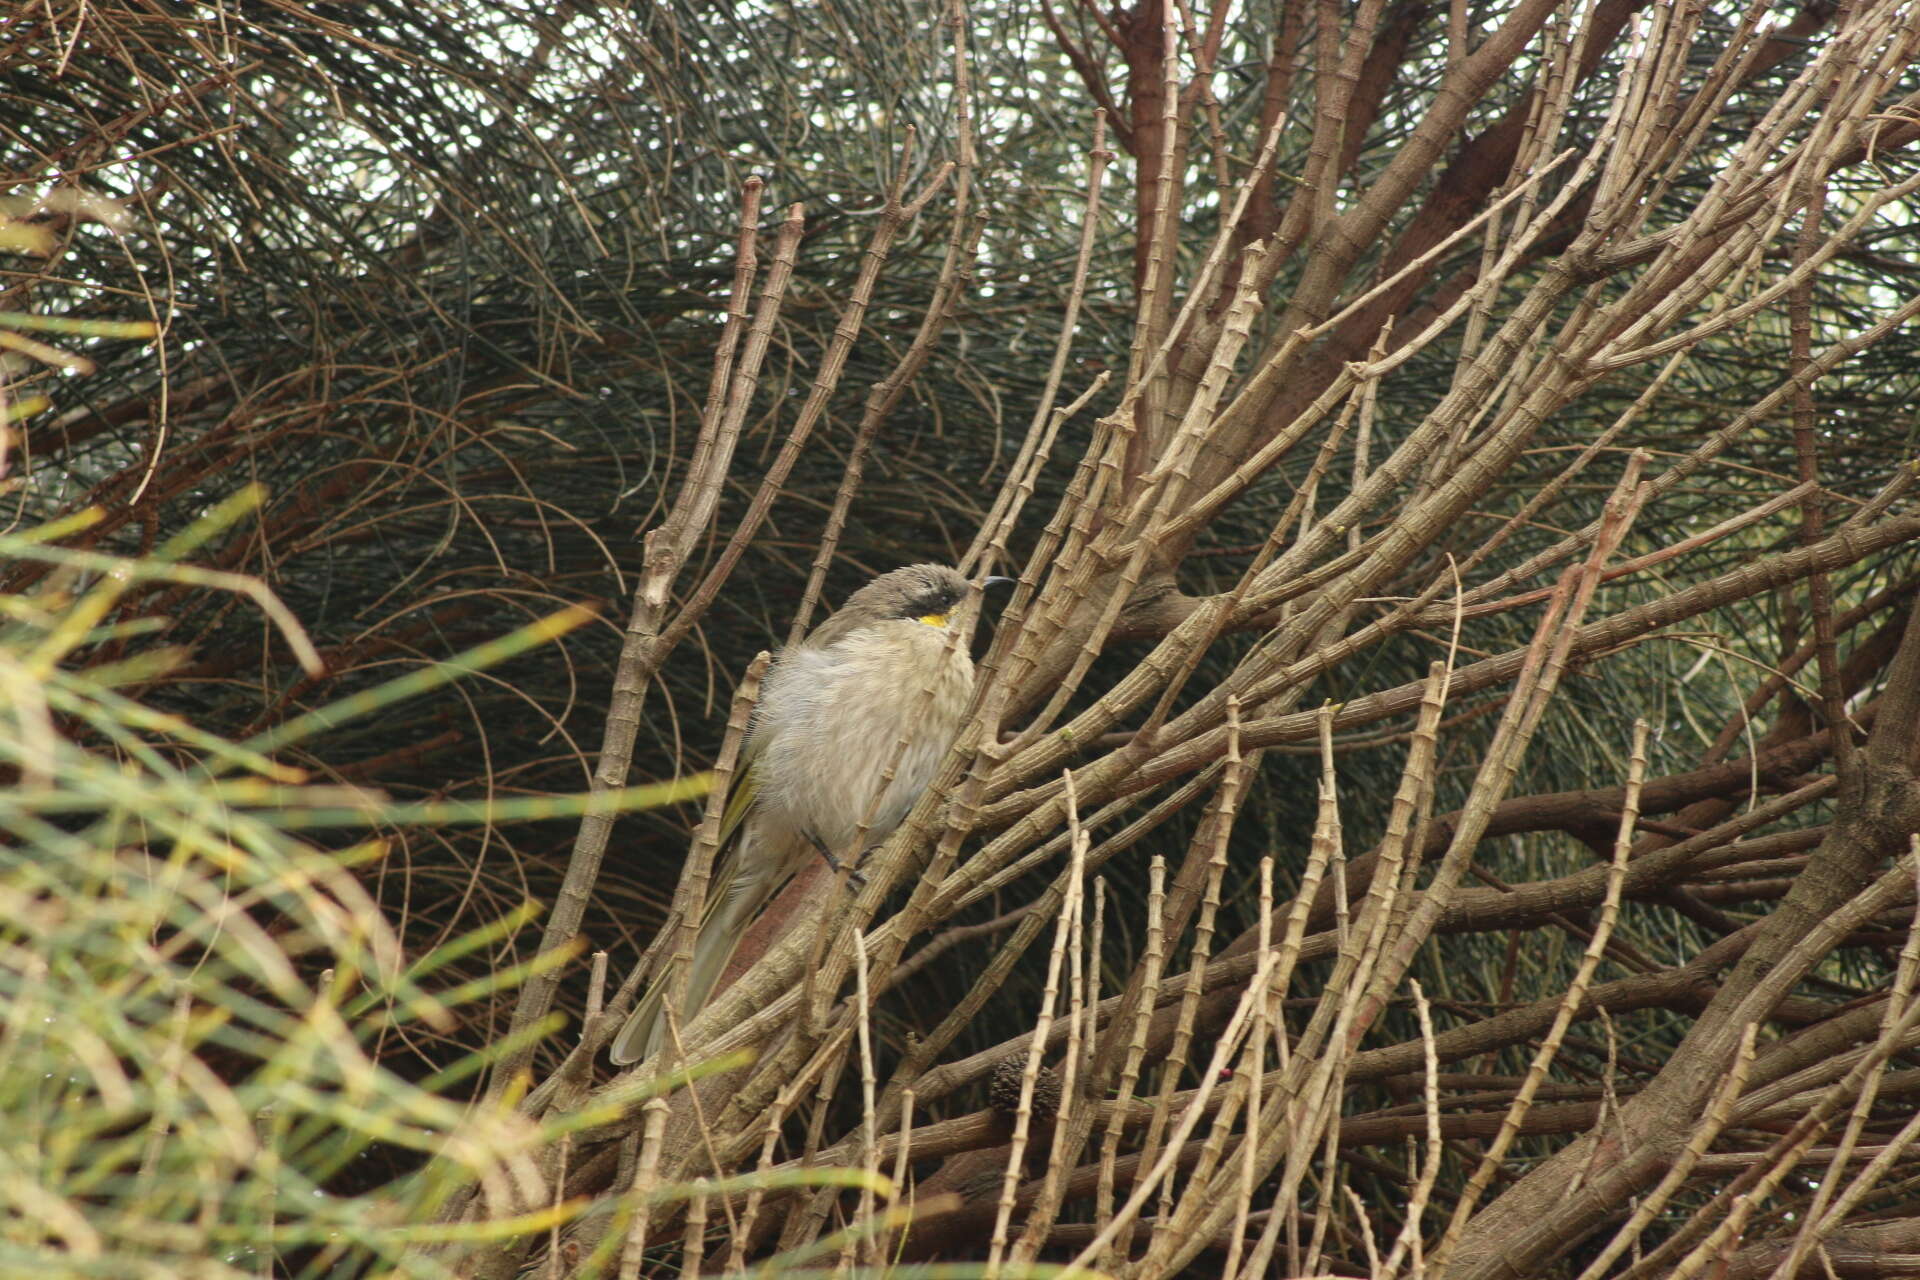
[995,581]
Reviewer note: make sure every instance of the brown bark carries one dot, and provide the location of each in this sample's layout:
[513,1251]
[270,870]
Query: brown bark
[1875,1251]
[1877,813]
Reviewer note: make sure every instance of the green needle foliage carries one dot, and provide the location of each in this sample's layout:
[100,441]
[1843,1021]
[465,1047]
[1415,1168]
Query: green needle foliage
[196,998]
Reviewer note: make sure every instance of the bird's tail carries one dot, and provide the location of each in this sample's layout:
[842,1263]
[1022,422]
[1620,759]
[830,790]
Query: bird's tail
[733,900]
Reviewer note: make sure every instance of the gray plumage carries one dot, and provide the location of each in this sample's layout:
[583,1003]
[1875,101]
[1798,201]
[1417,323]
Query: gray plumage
[892,664]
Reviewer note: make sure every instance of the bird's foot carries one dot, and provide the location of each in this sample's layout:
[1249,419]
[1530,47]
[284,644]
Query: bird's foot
[857,877]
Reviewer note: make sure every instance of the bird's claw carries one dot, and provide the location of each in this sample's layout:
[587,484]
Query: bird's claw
[855,875]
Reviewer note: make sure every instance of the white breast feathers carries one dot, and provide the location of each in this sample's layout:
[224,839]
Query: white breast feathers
[836,717]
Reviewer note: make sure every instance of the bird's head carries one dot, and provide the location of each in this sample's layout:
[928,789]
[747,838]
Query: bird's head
[922,595]
[926,593]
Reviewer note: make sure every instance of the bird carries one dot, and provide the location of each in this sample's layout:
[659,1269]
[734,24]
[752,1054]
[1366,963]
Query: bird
[892,664]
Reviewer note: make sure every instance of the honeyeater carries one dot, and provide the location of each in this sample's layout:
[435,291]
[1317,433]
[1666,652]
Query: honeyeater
[890,667]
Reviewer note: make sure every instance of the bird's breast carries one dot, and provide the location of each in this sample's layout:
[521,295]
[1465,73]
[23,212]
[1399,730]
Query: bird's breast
[838,718]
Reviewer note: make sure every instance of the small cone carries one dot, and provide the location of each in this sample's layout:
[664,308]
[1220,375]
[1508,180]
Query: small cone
[1003,1091]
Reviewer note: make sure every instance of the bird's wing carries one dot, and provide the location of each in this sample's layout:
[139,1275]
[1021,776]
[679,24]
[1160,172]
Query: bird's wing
[745,790]
[722,920]
[746,787]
